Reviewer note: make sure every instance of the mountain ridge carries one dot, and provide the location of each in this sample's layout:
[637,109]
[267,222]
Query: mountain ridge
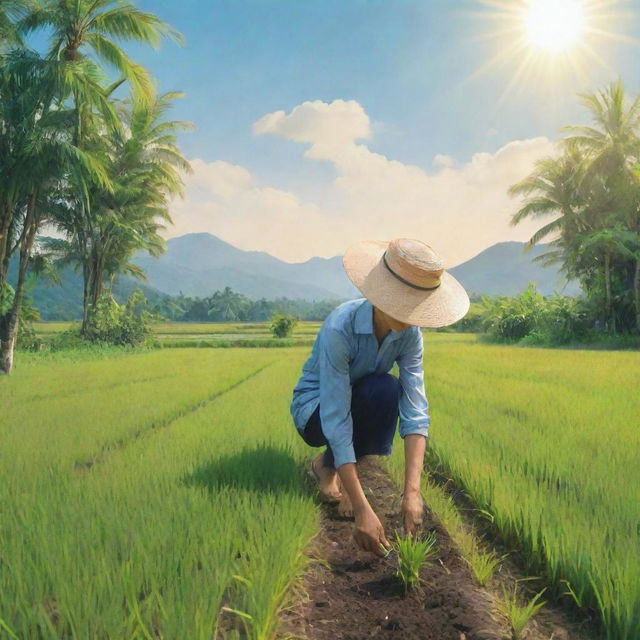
[199,264]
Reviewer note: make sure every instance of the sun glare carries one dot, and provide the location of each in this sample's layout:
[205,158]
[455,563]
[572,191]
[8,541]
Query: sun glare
[554,25]
[550,44]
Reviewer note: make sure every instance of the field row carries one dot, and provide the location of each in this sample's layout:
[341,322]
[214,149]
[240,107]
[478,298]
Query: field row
[207,511]
[547,442]
[180,470]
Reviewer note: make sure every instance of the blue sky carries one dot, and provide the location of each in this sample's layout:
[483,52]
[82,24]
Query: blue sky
[409,64]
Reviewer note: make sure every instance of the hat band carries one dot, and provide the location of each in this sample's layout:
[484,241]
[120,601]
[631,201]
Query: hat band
[399,277]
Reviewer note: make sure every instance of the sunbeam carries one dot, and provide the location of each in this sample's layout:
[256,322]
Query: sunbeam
[546,41]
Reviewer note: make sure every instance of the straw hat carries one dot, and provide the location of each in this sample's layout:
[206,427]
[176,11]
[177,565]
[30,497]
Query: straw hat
[406,279]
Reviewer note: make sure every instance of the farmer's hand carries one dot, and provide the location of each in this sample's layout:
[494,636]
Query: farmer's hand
[412,511]
[369,532]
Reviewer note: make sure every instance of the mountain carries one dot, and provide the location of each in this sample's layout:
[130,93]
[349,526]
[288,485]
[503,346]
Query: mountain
[199,264]
[506,269]
[64,301]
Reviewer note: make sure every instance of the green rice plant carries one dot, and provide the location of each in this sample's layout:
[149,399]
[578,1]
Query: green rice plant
[117,469]
[519,614]
[413,554]
[483,565]
[519,445]
[201,488]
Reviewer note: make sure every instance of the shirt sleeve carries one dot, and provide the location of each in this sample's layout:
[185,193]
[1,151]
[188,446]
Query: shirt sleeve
[335,396]
[414,408]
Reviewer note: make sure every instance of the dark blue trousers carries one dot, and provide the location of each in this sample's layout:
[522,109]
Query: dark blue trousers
[374,411]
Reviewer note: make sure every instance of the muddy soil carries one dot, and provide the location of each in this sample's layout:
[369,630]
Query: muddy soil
[357,596]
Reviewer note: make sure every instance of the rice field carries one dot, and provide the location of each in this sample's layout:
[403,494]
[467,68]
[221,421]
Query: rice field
[159,494]
[207,334]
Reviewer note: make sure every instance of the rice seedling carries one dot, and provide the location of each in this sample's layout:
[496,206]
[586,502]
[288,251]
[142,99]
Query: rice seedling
[517,613]
[483,565]
[413,554]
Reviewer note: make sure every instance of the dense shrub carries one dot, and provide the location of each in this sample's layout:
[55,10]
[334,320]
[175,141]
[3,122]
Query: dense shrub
[512,318]
[282,325]
[530,318]
[119,324]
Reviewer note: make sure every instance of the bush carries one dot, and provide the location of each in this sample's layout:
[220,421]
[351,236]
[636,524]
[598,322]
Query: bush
[530,318]
[513,318]
[563,320]
[113,323]
[282,325]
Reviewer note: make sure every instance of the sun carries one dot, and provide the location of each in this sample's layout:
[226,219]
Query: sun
[548,45]
[554,25]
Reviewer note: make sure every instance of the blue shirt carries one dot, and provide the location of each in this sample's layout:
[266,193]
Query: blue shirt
[345,350]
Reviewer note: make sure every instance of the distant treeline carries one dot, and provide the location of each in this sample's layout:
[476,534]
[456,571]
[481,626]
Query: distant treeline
[230,306]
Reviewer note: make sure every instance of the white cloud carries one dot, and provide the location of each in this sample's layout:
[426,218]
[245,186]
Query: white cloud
[224,200]
[441,160]
[459,209]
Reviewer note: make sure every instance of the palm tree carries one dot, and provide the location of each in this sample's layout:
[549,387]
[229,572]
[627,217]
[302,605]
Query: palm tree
[227,306]
[611,148]
[145,167]
[593,190]
[11,11]
[611,145]
[36,160]
[553,189]
[82,27]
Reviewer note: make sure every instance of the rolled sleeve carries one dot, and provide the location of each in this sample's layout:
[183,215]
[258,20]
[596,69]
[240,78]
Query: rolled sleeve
[335,396]
[414,408]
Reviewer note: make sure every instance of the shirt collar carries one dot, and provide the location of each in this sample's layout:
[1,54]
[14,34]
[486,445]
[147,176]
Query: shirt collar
[364,321]
[364,317]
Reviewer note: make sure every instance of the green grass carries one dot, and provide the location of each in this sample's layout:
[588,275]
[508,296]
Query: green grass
[194,328]
[547,441]
[195,480]
[146,494]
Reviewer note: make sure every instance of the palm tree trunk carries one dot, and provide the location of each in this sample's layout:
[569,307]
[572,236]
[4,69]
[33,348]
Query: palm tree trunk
[5,222]
[86,274]
[10,324]
[636,293]
[607,292]
[92,275]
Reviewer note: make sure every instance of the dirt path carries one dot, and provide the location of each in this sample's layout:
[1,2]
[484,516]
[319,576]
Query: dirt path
[356,596]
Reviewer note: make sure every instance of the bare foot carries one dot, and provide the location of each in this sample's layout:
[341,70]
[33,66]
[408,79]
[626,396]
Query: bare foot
[345,508]
[328,481]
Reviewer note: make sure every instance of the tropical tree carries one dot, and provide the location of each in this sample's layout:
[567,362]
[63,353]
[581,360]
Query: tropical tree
[593,189]
[228,305]
[553,189]
[145,168]
[611,148]
[87,30]
[10,12]
[37,159]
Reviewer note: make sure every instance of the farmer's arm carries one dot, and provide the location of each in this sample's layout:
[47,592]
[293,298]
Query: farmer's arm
[414,428]
[337,426]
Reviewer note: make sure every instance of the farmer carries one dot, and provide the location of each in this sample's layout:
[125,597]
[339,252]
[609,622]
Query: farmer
[347,401]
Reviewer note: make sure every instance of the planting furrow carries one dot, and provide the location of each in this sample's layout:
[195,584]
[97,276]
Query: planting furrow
[352,594]
[166,421]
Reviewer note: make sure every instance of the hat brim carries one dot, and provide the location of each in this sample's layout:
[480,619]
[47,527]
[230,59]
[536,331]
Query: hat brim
[435,308]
